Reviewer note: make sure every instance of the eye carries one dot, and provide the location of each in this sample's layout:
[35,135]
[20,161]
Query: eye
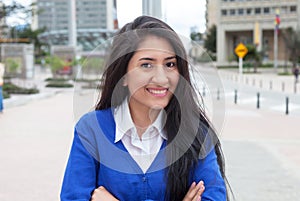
[146,65]
[171,64]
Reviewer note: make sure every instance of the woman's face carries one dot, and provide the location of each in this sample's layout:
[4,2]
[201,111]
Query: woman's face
[152,74]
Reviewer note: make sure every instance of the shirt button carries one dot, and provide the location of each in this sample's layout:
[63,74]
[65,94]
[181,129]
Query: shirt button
[144,179]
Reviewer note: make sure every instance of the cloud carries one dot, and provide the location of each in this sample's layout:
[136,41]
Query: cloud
[180,15]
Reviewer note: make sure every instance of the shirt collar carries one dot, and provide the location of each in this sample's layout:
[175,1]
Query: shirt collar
[124,121]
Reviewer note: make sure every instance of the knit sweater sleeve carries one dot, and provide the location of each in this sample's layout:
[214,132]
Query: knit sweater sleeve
[80,177]
[208,171]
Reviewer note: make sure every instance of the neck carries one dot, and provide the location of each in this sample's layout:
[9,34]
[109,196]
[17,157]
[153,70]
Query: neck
[143,118]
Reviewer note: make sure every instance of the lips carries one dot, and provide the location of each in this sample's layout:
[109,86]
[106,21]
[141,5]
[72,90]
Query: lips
[158,92]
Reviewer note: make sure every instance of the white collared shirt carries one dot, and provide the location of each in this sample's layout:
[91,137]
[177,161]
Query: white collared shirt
[143,150]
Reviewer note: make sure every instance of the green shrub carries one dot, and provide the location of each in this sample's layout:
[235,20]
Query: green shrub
[56,79]
[59,85]
[14,89]
[285,73]
[6,95]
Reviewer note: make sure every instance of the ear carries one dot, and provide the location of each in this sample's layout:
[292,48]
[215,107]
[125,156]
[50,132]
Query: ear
[125,81]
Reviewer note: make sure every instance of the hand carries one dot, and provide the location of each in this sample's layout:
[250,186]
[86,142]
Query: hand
[195,192]
[101,194]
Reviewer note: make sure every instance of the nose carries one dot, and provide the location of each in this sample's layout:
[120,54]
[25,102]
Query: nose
[160,75]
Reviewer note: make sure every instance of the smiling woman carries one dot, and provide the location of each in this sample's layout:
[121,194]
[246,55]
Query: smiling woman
[147,139]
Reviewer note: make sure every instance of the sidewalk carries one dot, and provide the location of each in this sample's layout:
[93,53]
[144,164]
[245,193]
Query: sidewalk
[261,150]
[266,79]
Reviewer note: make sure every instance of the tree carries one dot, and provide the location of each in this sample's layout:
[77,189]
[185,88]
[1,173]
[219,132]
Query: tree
[253,56]
[17,10]
[196,36]
[33,36]
[292,41]
[56,63]
[210,42]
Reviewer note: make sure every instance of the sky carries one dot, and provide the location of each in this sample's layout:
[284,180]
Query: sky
[181,15]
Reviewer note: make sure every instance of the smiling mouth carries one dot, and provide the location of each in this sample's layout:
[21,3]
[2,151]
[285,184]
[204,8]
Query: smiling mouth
[158,92]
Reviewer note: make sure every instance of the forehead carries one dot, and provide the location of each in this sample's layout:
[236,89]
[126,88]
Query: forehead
[155,43]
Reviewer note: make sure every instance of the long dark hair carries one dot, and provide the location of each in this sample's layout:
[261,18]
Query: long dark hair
[187,127]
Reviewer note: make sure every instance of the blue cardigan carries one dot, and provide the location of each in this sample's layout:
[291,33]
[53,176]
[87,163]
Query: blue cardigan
[96,160]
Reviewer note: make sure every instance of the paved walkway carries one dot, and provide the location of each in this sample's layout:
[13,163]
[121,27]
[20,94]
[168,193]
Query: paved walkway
[261,148]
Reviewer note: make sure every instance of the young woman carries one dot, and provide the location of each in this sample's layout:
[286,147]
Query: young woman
[147,139]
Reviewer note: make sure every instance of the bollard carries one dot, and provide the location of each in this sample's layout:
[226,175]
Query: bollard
[282,86]
[287,105]
[218,94]
[257,103]
[271,85]
[235,96]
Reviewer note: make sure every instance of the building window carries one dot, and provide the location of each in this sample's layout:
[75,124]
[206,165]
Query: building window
[240,11]
[283,9]
[249,11]
[224,12]
[266,10]
[257,10]
[232,12]
[293,9]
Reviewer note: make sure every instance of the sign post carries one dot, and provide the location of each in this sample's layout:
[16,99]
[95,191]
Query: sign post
[241,51]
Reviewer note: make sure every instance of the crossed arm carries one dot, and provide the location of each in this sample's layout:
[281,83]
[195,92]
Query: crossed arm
[194,193]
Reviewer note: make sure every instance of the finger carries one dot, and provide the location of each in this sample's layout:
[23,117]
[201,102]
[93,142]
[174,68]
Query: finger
[197,198]
[96,192]
[192,187]
[195,189]
[201,190]
[199,193]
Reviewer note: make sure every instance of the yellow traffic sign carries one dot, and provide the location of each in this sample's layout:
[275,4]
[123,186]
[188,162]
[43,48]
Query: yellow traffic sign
[241,50]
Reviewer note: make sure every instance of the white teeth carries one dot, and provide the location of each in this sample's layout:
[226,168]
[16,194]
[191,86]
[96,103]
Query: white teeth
[157,91]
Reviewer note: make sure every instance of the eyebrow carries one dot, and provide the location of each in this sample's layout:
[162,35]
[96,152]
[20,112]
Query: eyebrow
[152,59]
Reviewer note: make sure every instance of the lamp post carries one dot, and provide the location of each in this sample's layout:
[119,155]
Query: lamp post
[72,24]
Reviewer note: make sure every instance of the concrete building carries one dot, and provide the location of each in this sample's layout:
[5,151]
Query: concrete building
[251,22]
[152,8]
[95,21]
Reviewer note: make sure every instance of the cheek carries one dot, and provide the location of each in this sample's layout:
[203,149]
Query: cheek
[174,79]
[136,82]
